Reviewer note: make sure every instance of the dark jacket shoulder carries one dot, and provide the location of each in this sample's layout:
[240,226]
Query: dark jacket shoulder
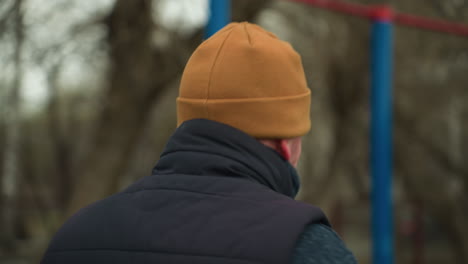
[319,244]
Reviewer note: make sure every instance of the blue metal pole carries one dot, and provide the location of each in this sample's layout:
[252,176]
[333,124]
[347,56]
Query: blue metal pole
[220,15]
[381,137]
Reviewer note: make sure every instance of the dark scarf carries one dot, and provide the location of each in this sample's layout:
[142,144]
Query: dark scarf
[224,150]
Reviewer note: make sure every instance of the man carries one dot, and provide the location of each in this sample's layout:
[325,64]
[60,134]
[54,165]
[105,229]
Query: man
[223,190]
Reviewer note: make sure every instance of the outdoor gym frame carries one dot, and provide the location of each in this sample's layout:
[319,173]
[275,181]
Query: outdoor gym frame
[381,70]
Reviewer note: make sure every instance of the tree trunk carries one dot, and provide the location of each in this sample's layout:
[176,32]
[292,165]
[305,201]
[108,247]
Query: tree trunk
[10,170]
[139,73]
[60,143]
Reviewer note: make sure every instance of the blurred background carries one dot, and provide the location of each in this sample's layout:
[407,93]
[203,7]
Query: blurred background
[87,102]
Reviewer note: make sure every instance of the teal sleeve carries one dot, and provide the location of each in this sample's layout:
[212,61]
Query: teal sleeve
[319,244]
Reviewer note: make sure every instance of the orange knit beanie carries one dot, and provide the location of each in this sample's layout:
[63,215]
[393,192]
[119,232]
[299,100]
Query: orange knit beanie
[247,78]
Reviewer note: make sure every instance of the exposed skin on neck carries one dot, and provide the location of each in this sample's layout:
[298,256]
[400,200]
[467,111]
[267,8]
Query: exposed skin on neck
[290,149]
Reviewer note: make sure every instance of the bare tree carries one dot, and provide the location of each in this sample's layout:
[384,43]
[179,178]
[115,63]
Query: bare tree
[10,170]
[446,205]
[139,73]
[62,155]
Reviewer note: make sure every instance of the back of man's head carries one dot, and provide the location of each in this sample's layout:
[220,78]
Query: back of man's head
[246,77]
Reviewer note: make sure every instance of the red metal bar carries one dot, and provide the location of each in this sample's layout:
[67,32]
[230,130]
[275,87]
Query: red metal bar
[431,24]
[374,12]
[418,233]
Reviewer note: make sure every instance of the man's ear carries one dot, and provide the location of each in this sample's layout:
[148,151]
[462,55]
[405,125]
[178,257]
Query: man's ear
[284,149]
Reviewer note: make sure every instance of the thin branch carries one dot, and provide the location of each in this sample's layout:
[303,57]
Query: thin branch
[406,127]
[5,17]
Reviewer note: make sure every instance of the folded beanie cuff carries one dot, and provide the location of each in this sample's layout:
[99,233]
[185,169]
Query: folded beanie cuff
[272,117]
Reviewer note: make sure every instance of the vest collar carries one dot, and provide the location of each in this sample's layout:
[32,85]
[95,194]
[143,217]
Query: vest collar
[204,147]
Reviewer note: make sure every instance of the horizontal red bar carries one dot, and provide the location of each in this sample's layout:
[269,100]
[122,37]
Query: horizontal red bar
[431,24]
[383,13]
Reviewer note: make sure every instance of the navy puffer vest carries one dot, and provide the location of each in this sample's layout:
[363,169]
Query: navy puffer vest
[216,196]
